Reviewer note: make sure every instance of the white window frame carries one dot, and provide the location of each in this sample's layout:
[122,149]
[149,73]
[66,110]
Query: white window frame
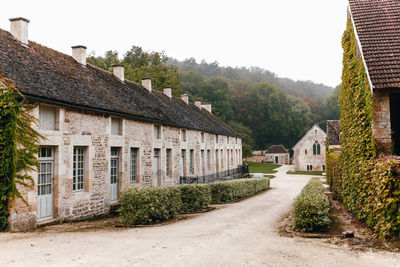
[134,164]
[78,169]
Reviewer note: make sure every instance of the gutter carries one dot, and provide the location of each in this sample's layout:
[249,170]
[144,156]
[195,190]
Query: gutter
[361,51]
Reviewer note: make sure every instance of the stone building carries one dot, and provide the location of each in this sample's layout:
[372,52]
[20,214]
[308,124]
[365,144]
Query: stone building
[277,154]
[333,133]
[104,133]
[309,152]
[256,156]
[377,30]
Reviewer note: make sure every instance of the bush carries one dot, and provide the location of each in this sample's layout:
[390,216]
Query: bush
[228,191]
[150,205]
[334,173]
[311,208]
[195,197]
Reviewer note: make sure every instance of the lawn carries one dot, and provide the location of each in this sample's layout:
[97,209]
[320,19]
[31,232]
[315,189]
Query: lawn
[305,172]
[255,167]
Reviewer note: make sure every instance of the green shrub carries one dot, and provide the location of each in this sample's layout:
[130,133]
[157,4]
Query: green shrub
[311,208]
[334,173]
[228,191]
[195,197]
[150,205]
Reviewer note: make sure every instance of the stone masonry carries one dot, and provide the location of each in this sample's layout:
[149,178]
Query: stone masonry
[93,133]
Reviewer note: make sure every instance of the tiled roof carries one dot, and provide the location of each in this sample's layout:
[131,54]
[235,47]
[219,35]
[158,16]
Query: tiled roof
[333,132]
[47,75]
[378,26]
[277,149]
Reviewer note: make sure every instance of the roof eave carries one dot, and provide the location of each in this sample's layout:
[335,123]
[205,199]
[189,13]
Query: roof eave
[361,50]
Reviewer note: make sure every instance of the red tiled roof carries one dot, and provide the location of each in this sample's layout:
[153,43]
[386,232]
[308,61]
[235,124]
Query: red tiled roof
[378,26]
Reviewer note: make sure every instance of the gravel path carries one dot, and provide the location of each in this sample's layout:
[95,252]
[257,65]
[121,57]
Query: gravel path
[239,234]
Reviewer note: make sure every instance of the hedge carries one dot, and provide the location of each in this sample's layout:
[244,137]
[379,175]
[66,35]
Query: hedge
[195,197]
[334,173]
[228,191]
[150,205]
[311,208]
[140,206]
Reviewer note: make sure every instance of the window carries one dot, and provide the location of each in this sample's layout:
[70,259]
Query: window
[323,167]
[134,165]
[202,137]
[183,162]
[305,151]
[78,169]
[116,126]
[183,135]
[315,131]
[236,140]
[202,161]
[47,118]
[168,163]
[45,171]
[157,131]
[208,159]
[310,167]
[216,138]
[191,161]
[316,148]
[227,140]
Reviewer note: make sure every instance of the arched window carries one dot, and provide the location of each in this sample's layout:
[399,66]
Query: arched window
[316,148]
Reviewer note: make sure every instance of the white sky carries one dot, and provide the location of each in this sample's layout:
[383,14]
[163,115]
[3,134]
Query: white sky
[292,38]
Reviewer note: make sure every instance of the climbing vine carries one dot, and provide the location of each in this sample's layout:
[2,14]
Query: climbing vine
[18,147]
[369,187]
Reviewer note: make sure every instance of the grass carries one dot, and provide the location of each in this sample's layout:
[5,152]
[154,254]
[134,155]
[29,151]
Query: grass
[305,172]
[269,176]
[256,167]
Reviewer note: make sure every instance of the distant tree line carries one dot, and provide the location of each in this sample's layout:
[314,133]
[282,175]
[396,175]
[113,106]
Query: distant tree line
[263,108]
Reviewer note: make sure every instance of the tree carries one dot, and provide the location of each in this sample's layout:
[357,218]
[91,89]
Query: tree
[141,64]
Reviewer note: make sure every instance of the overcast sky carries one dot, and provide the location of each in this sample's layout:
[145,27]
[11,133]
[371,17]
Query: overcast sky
[292,38]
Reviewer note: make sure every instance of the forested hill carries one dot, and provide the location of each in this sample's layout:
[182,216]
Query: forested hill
[302,89]
[263,108]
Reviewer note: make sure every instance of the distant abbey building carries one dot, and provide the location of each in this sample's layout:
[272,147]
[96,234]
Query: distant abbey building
[309,152]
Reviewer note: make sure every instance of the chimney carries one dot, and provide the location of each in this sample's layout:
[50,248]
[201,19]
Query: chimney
[79,54]
[146,83]
[198,104]
[207,107]
[19,29]
[185,99]
[167,91]
[118,71]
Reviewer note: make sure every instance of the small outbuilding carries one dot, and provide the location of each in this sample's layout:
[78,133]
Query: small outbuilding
[277,154]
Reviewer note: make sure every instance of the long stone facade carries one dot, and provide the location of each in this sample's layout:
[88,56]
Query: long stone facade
[309,152]
[92,132]
[104,134]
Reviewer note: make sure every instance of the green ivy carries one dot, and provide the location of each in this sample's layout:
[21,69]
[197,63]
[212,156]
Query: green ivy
[18,147]
[370,187]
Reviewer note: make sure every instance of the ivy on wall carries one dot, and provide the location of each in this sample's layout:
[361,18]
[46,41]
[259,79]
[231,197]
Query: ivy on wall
[369,187]
[18,147]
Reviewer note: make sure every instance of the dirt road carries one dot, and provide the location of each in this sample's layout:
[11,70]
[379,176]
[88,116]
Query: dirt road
[240,234]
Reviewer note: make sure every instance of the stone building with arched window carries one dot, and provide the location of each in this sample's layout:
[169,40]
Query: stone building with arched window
[309,152]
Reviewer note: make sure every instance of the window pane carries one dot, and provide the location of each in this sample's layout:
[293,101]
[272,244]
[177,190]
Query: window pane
[115,126]
[47,118]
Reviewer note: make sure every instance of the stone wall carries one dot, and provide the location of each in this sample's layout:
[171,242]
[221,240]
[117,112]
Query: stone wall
[93,133]
[381,127]
[283,158]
